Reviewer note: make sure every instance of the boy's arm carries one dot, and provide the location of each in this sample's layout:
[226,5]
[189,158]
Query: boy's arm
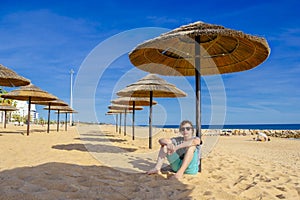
[191,142]
[165,141]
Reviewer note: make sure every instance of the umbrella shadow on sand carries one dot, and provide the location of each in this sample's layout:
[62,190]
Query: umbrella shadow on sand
[10,132]
[97,148]
[100,139]
[71,181]
[147,164]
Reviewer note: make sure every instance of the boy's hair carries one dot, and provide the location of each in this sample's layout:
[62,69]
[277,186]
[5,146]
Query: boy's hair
[187,122]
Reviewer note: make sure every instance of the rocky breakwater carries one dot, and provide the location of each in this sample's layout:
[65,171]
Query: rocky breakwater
[284,133]
[272,133]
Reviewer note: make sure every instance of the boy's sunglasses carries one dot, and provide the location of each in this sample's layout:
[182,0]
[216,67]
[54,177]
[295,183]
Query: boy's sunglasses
[185,128]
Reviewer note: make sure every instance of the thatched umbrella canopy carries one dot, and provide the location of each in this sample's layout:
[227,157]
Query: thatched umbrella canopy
[151,86]
[29,93]
[57,102]
[9,78]
[59,109]
[111,112]
[125,108]
[133,101]
[200,49]
[6,107]
[223,50]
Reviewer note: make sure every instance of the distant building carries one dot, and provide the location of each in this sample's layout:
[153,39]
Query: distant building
[22,107]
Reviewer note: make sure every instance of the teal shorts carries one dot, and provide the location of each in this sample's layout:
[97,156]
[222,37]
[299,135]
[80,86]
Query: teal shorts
[176,162]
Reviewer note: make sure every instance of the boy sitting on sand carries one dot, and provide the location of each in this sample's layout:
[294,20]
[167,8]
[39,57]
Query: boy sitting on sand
[181,152]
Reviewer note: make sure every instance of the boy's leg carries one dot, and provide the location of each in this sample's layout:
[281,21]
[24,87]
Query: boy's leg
[160,161]
[189,154]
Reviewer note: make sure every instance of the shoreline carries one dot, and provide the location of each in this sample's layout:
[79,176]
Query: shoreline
[280,133]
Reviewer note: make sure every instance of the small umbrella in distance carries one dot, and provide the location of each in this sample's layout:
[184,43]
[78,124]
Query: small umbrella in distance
[125,108]
[66,119]
[133,101]
[57,102]
[59,109]
[112,111]
[6,107]
[115,112]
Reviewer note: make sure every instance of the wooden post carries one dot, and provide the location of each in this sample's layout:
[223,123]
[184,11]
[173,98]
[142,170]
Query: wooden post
[48,124]
[120,123]
[57,120]
[66,121]
[198,89]
[133,113]
[4,118]
[150,121]
[116,123]
[125,121]
[28,116]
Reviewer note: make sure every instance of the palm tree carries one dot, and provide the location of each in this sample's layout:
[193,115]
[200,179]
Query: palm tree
[8,101]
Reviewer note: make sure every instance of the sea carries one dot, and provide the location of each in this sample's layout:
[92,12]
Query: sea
[241,126]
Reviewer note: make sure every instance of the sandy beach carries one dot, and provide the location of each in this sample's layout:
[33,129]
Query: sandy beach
[95,162]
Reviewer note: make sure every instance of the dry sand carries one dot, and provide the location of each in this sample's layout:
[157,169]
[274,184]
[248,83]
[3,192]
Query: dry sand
[88,162]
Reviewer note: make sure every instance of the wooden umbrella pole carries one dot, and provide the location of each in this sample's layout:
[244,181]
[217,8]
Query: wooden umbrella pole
[120,123]
[133,113]
[125,122]
[5,118]
[57,121]
[48,123]
[116,123]
[198,86]
[198,90]
[150,121]
[66,122]
[28,115]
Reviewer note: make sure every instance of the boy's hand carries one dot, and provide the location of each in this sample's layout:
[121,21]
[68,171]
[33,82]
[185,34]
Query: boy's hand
[171,148]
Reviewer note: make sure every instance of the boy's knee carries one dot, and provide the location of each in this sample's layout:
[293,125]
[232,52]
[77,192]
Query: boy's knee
[164,148]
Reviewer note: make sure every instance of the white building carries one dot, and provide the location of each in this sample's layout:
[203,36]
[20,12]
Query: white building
[22,107]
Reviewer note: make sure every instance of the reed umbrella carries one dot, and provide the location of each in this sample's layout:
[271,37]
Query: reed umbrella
[29,93]
[114,112]
[151,86]
[111,111]
[6,107]
[133,101]
[200,49]
[66,118]
[58,109]
[57,102]
[125,108]
[9,78]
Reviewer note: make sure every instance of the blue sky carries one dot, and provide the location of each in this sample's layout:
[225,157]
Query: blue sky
[44,40]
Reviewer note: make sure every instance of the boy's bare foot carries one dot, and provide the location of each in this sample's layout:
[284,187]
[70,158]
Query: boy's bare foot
[177,176]
[153,171]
